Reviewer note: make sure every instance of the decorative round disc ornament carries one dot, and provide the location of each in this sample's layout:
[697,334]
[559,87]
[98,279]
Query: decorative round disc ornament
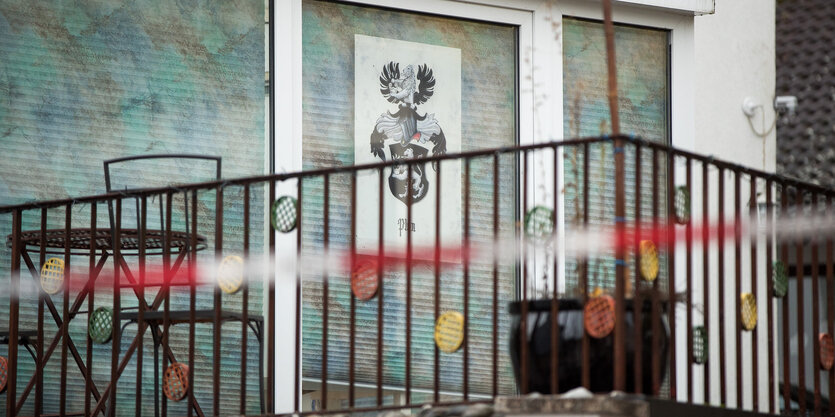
[827,347]
[780,279]
[230,274]
[749,311]
[283,216]
[699,345]
[364,280]
[175,381]
[682,205]
[4,370]
[649,260]
[449,331]
[52,275]
[539,222]
[100,325]
[599,316]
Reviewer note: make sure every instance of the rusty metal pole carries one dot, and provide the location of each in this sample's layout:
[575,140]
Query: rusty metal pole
[620,212]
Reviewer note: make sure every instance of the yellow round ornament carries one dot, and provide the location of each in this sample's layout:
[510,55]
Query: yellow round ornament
[749,311]
[52,275]
[449,331]
[649,260]
[230,274]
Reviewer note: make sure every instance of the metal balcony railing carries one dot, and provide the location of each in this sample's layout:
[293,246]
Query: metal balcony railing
[643,275]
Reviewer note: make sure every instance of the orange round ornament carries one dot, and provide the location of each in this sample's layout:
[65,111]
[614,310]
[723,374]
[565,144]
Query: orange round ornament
[599,316]
[175,381]
[827,351]
[364,280]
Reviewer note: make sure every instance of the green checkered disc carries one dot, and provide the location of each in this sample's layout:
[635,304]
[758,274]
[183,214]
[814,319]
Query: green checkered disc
[283,216]
[539,222]
[699,345]
[682,205]
[100,326]
[780,279]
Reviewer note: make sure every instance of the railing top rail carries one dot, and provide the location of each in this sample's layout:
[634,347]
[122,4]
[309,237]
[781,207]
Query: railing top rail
[470,154]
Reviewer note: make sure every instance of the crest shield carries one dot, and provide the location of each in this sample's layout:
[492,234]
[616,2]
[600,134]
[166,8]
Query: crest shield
[401,182]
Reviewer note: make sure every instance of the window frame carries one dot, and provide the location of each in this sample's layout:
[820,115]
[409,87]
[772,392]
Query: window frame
[539,92]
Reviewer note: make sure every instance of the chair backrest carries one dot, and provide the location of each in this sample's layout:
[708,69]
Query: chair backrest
[138,172]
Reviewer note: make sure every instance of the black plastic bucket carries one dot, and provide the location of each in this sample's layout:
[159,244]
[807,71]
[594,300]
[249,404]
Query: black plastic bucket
[601,353]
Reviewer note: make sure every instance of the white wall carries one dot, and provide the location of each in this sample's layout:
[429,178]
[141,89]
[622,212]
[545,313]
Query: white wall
[735,58]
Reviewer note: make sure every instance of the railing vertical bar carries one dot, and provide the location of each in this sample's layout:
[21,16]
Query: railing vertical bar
[584,277]
[690,284]
[192,319]
[769,270]
[523,340]
[437,286]
[638,303]
[325,287]
[619,373]
[408,332]
[353,323]
[784,257]
[495,345]
[14,311]
[245,301]
[721,304]
[65,328]
[166,286]
[656,306]
[39,370]
[706,275]
[217,305]
[830,291]
[466,382]
[752,213]
[91,284]
[297,346]
[555,329]
[671,270]
[271,348]
[801,354]
[738,286]
[117,308]
[143,226]
[815,312]
[380,301]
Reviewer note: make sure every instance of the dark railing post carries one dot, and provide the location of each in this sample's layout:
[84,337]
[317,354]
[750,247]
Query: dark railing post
[706,274]
[65,317]
[721,304]
[14,310]
[39,367]
[620,205]
[769,270]
[830,293]
[801,351]
[815,310]
[671,269]
[117,307]
[784,258]
[738,286]
[752,217]
[690,283]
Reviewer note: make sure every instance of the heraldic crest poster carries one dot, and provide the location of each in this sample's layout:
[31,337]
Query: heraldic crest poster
[407,104]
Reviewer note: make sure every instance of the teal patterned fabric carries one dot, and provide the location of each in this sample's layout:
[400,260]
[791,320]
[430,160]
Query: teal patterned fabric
[84,81]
